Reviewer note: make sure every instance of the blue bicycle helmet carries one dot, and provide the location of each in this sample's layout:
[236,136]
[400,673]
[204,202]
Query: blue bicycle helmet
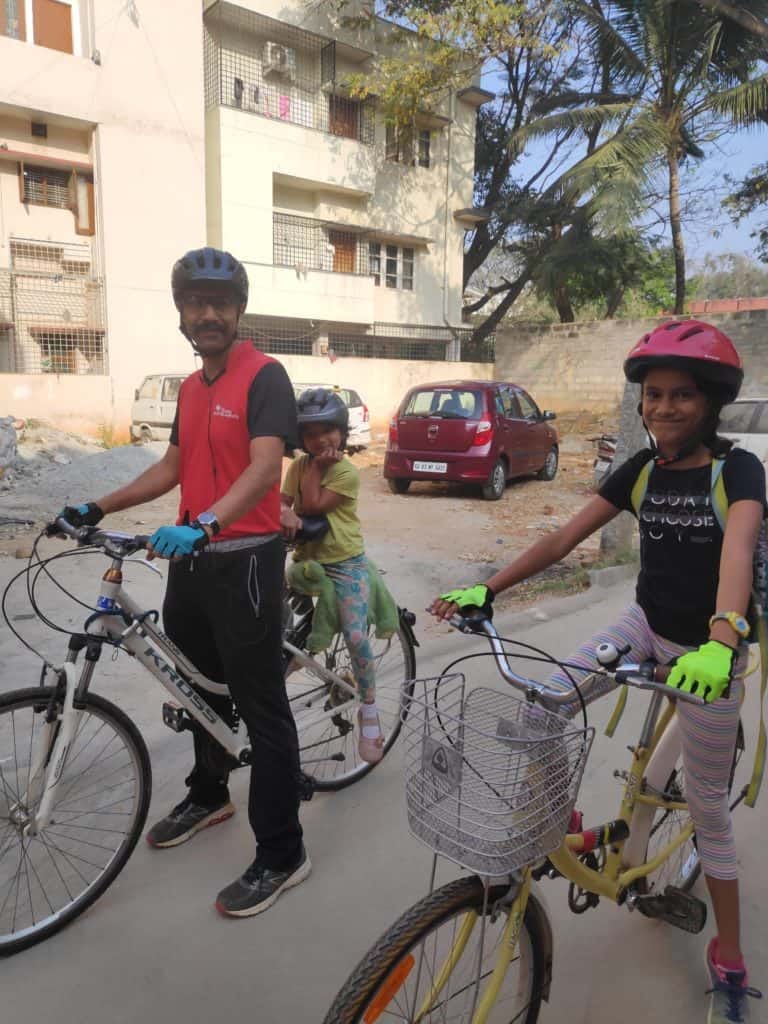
[208,266]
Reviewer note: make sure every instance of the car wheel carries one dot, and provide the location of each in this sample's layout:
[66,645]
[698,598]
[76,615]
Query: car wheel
[145,435]
[549,469]
[398,485]
[497,481]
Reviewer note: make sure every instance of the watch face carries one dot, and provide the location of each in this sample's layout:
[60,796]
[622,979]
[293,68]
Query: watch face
[741,624]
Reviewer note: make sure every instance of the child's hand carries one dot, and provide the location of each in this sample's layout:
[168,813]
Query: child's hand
[327,457]
[289,522]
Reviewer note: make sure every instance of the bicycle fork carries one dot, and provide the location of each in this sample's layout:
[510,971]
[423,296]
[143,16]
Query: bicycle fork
[48,760]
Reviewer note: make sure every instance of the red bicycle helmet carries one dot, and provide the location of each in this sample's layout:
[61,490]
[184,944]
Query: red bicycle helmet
[690,345]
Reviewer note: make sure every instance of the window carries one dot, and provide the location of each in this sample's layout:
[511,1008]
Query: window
[408,146]
[450,404]
[398,266]
[737,418]
[344,252]
[391,266]
[505,404]
[12,19]
[150,389]
[171,386]
[45,186]
[344,117]
[374,261]
[528,407]
[407,275]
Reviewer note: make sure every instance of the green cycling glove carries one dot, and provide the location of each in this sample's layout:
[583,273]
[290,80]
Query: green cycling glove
[478,596]
[707,672]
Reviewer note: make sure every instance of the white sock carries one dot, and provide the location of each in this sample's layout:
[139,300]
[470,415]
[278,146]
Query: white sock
[370,712]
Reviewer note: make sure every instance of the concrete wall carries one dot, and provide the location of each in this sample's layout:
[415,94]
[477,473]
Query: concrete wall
[578,367]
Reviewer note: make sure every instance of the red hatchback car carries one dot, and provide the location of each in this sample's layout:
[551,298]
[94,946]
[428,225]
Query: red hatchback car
[469,431]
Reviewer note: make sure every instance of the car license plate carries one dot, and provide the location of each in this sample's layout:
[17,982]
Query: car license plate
[430,467]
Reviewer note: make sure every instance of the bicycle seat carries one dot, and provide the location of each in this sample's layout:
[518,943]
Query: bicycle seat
[312,528]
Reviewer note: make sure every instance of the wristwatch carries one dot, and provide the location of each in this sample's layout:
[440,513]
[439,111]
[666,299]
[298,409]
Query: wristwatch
[737,622]
[208,519]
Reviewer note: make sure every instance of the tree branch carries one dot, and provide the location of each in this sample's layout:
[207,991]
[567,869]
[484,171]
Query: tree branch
[741,17]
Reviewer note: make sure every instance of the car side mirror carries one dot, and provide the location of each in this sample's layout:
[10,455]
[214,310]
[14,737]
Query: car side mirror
[549,416]
[136,395]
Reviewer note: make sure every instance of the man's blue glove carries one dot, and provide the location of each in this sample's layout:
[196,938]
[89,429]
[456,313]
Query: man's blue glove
[176,541]
[707,672]
[87,514]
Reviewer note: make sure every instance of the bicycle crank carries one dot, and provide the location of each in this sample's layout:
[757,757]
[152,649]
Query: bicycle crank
[674,906]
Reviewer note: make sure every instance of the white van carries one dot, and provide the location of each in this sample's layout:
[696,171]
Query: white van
[154,407]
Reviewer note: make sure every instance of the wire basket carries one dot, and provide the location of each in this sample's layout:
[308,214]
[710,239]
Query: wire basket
[491,779]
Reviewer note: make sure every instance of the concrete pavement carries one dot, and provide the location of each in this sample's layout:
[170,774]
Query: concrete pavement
[153,949]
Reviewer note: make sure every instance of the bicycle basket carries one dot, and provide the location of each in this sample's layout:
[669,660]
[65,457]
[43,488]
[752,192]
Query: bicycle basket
[491,779]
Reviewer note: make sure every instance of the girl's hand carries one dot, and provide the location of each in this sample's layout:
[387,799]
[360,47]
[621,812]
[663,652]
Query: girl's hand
[328,457]
[289,522]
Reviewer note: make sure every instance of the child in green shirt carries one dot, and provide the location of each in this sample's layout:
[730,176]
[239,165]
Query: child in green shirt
[324,482]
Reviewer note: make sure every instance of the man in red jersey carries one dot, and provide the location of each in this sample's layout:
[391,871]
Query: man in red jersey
[223,604]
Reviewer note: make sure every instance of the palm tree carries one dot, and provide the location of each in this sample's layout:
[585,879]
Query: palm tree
[691,74]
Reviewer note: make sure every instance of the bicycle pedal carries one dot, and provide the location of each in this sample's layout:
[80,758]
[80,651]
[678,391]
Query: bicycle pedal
[676,907]
[175,717]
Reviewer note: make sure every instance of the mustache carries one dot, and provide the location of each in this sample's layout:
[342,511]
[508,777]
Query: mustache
[209,325]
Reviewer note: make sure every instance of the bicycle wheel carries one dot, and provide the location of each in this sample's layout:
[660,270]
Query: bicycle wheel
[397,979]
[328,748]
[99,810]
[683,868]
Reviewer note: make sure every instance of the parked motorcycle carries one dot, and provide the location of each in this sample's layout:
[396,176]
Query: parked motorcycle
[605,445]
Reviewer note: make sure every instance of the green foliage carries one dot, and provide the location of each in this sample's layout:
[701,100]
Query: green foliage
[730,276]
[749,196]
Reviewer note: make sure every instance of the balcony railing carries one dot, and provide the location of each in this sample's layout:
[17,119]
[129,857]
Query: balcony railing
[307,244]
[266,67]
[52,317]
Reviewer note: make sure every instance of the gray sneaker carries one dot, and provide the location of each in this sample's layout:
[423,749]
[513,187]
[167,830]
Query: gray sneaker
[185,820]
[259,887]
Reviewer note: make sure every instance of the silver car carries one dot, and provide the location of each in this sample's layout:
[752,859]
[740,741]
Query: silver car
[359,417]
[745,422]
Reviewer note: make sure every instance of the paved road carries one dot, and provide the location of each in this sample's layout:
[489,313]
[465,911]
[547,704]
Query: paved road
[153,949]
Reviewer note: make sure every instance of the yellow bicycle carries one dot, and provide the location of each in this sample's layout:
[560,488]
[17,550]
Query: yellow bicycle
[491,784]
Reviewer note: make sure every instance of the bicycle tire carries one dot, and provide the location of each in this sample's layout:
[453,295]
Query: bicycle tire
[56,841]
[355,1002]
[667,822]
[343,735]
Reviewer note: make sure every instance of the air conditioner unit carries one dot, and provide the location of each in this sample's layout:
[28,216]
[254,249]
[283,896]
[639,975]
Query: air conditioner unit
[279,60]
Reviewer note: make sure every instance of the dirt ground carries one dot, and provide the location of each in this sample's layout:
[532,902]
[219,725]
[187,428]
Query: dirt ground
[434,537]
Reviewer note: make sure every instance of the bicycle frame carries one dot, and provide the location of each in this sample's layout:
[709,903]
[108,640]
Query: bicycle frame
[144,641]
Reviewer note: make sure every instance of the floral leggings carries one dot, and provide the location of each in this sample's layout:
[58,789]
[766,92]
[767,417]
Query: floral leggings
[708,735]
[350,579]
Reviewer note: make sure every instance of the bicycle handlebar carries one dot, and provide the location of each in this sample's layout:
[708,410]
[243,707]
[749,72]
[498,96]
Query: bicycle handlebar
[647,676]
[114,542]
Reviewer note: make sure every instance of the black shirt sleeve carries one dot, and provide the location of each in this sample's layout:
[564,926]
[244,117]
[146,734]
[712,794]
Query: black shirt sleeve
[617,488]
[174,439]
[744,477]
[272,406]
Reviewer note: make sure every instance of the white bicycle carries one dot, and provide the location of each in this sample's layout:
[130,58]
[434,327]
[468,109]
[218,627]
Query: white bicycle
[75,774]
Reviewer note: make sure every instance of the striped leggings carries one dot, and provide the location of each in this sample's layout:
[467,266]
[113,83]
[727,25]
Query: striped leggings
[708,736]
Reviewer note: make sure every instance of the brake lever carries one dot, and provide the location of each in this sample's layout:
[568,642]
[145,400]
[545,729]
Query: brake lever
[147,564]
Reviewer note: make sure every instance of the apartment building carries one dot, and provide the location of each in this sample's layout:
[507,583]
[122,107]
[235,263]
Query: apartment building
[102,186]
[352,231]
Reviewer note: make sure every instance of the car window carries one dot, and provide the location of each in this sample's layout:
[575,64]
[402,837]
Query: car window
[150,388]
[528,407]
[506,404]
[737,418]
[460,403]
[171,387]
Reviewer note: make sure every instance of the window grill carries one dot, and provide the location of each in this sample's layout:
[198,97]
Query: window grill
[267,67]
[309,244]
[45,186]
[52,317]
[12,19]
[408,145]
[368,347]
[277,336]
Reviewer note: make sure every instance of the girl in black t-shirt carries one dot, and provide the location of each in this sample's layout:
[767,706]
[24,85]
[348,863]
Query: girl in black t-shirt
[693,591]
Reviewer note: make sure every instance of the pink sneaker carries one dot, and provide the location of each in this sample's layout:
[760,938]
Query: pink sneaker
[370,748]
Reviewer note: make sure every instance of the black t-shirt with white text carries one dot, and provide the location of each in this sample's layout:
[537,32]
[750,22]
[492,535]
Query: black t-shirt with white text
[680,538]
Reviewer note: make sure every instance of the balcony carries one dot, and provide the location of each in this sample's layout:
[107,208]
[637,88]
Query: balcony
[52,317]
[269,68]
